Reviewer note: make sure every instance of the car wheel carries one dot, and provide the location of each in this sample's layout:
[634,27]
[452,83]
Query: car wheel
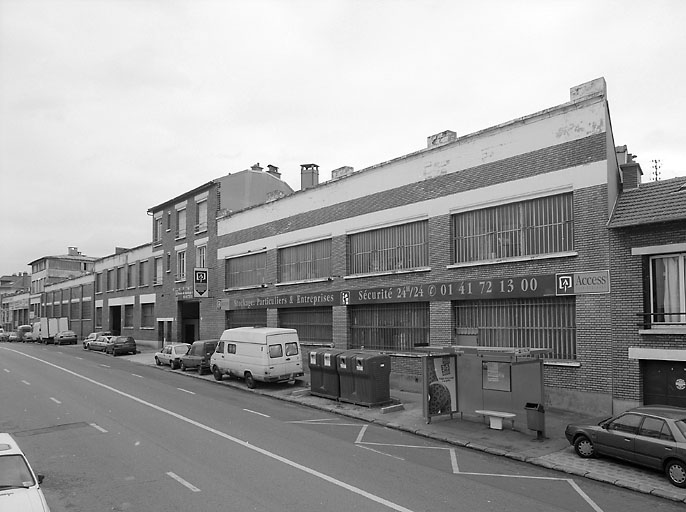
[249,380]
[217,374]
[183,367]
[583,447]
[157,361]
[174,365]
[676,472]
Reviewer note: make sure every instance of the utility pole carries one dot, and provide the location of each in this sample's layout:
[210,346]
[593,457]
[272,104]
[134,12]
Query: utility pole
[657,164]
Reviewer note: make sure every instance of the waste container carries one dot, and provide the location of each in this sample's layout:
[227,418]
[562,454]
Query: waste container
[345,363]
[316,374]
[324,378]
[535,416]
[370,378]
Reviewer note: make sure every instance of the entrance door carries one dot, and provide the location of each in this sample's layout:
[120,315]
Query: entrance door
[664,383]
[115,320]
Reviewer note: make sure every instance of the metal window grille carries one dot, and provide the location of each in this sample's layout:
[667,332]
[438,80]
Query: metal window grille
[387,249]
[306,261]
[312,324]
[400,326]
[246,318]
[540,226]
[534,323]
[246,270]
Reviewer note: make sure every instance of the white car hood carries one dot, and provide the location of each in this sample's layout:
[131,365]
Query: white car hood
[23,500]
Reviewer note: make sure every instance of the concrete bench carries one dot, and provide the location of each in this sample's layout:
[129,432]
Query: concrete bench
[496,418]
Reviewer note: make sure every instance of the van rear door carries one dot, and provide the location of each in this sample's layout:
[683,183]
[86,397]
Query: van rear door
[284,359]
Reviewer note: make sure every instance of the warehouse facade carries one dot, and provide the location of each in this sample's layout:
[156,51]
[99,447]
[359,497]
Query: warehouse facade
[498,238]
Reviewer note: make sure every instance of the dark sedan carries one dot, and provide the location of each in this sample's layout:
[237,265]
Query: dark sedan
[652,436]
[121,345]
[65,338]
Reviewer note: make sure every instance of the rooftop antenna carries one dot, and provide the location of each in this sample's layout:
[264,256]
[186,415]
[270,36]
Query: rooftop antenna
[657,164]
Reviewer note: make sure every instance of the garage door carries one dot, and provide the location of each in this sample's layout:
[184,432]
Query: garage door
[664,383]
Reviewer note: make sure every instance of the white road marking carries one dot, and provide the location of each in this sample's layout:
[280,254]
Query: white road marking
[98,427]
[6,370]
[55,400]
[136,375]
[186,391]
[240,442]
[26,382]
[80,358]
[105,365]
[258,413]
[453,461]
[377,451]
[361,434]
[183,482]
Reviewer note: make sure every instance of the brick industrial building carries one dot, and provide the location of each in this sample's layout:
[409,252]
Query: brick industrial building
[530,234]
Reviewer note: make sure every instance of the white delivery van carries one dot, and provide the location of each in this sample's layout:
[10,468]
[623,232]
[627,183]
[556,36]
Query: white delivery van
[266,354]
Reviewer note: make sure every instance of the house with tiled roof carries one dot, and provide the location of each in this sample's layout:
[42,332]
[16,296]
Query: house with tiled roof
[648,272]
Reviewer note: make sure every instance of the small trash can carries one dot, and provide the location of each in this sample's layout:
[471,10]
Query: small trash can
[535,416]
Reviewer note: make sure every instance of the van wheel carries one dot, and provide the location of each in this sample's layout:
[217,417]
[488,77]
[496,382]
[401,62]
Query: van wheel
[217,374]
[249,380]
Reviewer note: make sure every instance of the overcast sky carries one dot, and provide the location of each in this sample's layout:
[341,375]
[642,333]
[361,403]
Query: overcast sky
[110,107]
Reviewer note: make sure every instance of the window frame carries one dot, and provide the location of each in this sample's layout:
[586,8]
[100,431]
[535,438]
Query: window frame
[679,294]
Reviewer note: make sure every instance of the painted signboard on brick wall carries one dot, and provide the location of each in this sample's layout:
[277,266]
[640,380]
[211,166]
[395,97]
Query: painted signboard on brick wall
[530,286]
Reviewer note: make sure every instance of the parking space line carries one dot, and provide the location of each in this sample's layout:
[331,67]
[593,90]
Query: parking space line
[26,382]
[105,365]
[6,370]
[98,427]
[55,400]
[379,452]
[136,375]
[186,391]
[183,482]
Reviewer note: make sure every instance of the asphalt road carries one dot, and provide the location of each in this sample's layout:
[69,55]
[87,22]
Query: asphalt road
[112,435]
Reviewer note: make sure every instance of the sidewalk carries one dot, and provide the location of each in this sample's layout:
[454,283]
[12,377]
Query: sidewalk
[406,414]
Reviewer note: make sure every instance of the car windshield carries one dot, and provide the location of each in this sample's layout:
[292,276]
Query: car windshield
[14,472]
[681,425]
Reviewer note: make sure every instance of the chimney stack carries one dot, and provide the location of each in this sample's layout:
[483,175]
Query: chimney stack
[73,251]
[256,167]
[273,170]
[630,169]
[309,176]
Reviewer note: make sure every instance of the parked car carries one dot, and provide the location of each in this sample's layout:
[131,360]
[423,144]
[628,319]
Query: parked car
[171,354]
[4,336]
[198,356]
[120,345]
[19,485]
[65,338]
[24,331]
[14,337]
[653,436]
[92,336]
[100,343]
